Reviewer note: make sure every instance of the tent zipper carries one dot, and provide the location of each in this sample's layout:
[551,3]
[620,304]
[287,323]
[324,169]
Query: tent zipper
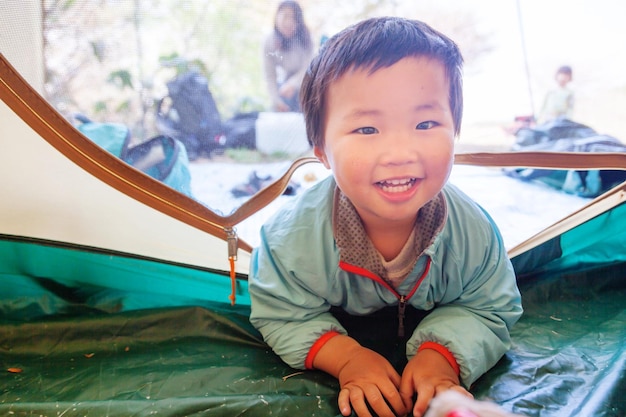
[232,242]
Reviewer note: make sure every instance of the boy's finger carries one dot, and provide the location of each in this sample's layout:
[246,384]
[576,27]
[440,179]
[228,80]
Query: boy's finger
[407,400]
[396,401]
[344,402]
[424,395]
[407,392]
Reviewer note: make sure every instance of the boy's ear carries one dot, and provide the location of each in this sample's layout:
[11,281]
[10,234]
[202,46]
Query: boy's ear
[321,155]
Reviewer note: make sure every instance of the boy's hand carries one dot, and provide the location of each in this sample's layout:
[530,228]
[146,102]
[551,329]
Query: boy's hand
[365,377]
[428,373]
[368,378]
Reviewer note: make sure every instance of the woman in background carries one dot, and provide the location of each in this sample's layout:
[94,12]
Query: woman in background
[287,52]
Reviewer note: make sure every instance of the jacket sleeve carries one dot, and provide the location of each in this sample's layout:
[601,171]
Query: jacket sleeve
[476,296]
[289,310]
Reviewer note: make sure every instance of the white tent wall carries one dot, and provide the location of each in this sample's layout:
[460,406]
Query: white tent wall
[47,196]
[20,31]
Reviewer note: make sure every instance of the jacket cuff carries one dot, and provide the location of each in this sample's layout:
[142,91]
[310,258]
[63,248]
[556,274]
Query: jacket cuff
[444,351]
[317,346]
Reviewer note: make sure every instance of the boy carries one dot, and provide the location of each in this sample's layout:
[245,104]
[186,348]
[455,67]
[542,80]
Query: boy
[558,103]
[382,104]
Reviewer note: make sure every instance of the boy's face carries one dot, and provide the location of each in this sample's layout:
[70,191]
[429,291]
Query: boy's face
[389,139]
[563,79]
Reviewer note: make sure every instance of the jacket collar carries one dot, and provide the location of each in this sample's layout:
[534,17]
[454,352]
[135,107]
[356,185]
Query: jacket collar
[355,247]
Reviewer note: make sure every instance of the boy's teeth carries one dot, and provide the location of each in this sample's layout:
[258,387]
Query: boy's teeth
[397,182]
[397,186]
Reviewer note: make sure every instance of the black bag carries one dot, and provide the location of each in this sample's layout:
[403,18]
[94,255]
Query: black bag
[189,114]
[240,131]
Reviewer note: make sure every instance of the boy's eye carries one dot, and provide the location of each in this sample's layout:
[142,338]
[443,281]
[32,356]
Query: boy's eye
[426,125]
[366,130]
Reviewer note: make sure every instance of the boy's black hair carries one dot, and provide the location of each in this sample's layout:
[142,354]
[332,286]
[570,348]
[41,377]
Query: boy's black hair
[374,44]
[564,69]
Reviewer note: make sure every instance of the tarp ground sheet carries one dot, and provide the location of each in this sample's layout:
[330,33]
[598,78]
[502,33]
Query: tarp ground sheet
[69,347]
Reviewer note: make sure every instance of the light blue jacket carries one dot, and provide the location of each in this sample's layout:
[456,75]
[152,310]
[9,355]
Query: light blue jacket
[295,278]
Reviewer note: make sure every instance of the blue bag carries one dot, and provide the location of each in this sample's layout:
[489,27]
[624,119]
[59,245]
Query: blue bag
[161,157]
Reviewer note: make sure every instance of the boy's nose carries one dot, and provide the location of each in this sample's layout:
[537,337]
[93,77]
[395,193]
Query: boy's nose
[400,148]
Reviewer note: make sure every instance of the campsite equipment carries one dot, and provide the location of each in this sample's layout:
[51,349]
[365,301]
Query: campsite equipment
[130,313]
[542,137]
[281,133]
[162,157]
[256,183]
[240,131]
[563,135]
[268,132]
[189,113]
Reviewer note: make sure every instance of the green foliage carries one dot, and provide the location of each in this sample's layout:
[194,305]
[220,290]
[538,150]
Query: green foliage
[245,156]
[182,65]
[100,107]
[121,79]
[250,156]
[65,5]
[248,104]
[98,50]
[123,106]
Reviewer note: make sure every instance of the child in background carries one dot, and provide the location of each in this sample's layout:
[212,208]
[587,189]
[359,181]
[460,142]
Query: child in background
[558,103]
[384,255]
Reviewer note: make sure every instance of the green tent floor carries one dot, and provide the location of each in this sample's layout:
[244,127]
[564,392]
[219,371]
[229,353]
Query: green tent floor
[107,359]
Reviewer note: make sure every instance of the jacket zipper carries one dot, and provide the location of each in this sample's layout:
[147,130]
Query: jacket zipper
[402,299]
[401,308]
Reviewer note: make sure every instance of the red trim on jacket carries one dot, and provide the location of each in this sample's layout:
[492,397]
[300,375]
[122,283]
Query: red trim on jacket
[368,274]
[317,346]
[444,351]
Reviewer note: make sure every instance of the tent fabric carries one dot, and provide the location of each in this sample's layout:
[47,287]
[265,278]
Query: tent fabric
[40,279]
[599,241]
[100,334]
[172,362]
[568,356]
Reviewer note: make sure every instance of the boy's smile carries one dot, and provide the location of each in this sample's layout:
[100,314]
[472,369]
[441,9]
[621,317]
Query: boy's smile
[397,186]
[389,139]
